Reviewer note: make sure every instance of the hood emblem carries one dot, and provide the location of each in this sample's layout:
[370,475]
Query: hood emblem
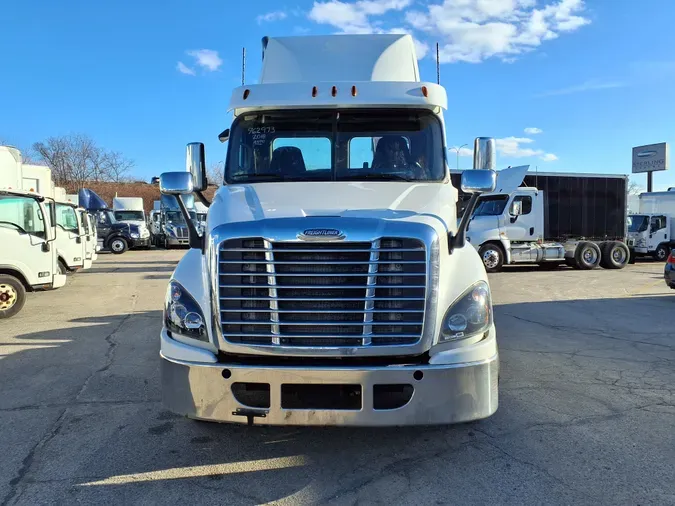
[321,234]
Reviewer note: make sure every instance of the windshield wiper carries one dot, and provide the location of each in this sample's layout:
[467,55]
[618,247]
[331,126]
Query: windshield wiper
[377,176]
[19,228]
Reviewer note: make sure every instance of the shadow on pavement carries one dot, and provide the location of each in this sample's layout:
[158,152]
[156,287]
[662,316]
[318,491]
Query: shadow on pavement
[583,384]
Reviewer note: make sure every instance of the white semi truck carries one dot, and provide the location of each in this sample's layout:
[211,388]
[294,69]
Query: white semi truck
[651,231]
[28,259]
[332,284]
[131,210]
[552,219]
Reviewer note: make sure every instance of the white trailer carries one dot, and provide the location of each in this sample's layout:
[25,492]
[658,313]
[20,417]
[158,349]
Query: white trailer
[651,231]
[333,284]
[28,259]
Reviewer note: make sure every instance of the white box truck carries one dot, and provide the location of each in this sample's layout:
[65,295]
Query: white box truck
[28,259]
[550,219]
[333,284]
[652,230]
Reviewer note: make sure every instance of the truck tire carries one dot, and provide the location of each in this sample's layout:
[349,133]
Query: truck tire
[492,257]
[118,245]
[615,255]
[61,267]
[12,296]
[661,253]
[587,256]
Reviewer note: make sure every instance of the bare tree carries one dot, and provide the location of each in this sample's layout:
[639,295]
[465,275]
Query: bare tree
[215,173]
[116,167]
[634,188]
[76,159]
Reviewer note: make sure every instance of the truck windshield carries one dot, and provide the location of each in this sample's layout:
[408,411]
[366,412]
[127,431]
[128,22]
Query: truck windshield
[129,216]
[22,214]
[491,206]
[317,145]
[66,217]
[638,223]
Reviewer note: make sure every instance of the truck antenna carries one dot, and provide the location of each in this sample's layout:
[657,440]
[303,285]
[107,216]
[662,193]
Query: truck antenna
[438,65]
[243,65]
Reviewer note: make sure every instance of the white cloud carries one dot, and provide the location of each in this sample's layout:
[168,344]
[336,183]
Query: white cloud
[590,85]
[184,69]
[533,130]
[462,151]
[206,58]
[474,30]
[512,147]
[468,30]
[354,17]
[271,16]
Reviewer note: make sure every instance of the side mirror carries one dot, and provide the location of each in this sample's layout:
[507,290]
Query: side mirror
[224,135]
[195,164]
[45,247]
[478,181]
[176,183]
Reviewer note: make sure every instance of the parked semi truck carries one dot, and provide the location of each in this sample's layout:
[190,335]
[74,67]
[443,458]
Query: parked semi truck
[553,218]
[168,226]
[131,210]
[332,284]
[28,259]
[116,236]
[651,231]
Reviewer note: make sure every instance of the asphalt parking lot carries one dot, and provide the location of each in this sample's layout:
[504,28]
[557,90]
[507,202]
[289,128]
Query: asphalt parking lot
[587,406]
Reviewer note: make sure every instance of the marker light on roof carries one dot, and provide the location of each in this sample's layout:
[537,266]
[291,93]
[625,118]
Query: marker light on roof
[246,93]
[425,92]
[353,91]
[334,91]
[314,91]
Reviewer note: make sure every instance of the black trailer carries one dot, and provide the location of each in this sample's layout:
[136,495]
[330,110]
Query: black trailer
[589,206]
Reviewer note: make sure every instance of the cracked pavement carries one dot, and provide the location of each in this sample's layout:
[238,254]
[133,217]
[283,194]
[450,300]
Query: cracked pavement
[587,406]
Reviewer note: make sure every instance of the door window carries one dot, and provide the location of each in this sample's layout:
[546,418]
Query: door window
[522,201]
[657,223]
[22,214]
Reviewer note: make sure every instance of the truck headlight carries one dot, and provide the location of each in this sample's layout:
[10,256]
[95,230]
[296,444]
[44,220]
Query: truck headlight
[182,314]
[469,315]
[134,235]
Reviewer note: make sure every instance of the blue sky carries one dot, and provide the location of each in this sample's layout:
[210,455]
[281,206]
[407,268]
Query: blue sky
[587,79]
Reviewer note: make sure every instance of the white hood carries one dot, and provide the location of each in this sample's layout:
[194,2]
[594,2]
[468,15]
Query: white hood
[385,200]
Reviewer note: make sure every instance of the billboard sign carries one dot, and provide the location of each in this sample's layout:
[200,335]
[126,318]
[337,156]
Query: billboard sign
[650,158]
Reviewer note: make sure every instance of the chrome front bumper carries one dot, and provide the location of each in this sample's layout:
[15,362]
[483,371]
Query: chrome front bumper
[173,241]
[444,394]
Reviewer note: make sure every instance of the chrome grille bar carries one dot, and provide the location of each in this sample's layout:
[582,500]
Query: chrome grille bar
[294,294]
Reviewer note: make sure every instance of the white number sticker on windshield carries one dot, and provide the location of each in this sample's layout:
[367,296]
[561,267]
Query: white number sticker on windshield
[259,134]
[261,130]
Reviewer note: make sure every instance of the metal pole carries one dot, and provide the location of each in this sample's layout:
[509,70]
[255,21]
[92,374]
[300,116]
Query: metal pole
[458,150]
[243,65]
[649,181]
[438,65]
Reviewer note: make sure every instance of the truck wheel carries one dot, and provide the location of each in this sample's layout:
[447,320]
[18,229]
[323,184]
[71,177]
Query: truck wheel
[587,255]
[61,267]
[661,253]
[118,245]
[615,256]
[492,257]
[12,296]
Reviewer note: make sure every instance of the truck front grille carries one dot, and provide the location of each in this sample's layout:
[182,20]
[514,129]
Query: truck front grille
[322,294]
[181,233]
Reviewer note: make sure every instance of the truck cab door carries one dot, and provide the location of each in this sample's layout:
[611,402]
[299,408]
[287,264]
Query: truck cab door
[658,232]
[23,235]
[519,218]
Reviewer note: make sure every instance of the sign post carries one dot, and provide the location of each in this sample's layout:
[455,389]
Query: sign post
[649,159]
